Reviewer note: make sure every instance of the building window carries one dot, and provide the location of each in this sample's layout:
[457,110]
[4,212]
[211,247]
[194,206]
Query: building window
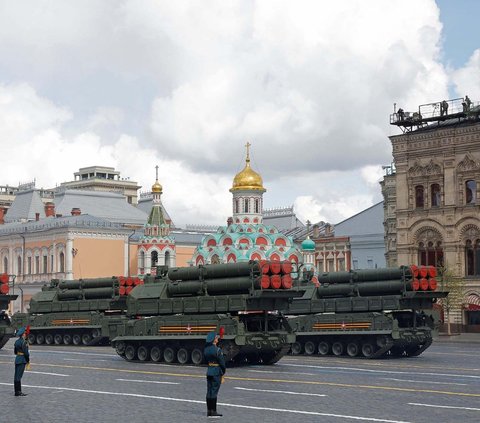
[369,263]
[167,258]
[52,268]
[154,258]
[430,254]
[435,195]
[142,260]
[419,198]
[37,265]
[5,265]
[320,266]
[62,262]
[470,191]
[19,265]
[29,265]
[246,208]
[331,265]
[341,264]
[355,264]
[45,264]
[472,258]
[257,205]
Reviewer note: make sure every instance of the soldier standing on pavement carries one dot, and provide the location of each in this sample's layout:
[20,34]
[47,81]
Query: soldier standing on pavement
[22,359]
[215,371]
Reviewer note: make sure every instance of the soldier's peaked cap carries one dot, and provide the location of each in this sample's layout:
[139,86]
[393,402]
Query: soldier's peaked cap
[211,337]
[21,331]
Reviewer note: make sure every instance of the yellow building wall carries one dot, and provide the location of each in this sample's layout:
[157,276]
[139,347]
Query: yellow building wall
[133,260]
[184,255]
[98,258]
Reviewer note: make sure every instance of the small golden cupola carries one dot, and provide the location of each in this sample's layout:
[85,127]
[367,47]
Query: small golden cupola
[157,187]
[247,179]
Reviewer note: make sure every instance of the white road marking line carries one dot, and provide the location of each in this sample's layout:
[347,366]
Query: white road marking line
[283,373]
[282,392]
[223,404]
[148,381]
[382,371]
[45,373]
[42,351]
[444,406]
[423,381]
[81,359]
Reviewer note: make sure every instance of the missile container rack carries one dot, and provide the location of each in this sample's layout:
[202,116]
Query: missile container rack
[171,314]
[6,328]
[371,313]
[73,311]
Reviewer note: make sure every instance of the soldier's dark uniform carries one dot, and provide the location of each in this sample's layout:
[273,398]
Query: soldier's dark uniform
[22,358]
[216,369]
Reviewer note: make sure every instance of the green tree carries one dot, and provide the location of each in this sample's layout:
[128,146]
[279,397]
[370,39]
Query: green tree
[455,286]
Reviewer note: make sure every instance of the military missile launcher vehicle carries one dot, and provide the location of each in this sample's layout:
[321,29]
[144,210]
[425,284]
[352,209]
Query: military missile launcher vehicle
[172,313]
[72,311]
[6,328]
[372,313]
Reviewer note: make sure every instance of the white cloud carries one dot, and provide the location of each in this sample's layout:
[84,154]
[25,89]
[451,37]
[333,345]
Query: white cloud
[185,84]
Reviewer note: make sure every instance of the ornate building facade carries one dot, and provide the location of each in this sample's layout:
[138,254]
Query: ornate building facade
[156,246]
[246,237]
[432,204]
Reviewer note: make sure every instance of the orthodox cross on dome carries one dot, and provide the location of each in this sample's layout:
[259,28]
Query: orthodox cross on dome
[248,151]
[156,172]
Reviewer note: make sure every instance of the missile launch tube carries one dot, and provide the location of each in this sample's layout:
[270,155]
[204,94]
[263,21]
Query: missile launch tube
[365,288]
[213,271]
[366,275]
[214,286]
[88,283]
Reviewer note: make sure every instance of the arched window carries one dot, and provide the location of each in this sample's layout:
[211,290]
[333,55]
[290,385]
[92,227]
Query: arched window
[435,195]
[419,198]
[257,205]
[19,265]
[237,206]
[154,258]
[5,265]
[470,191]
[472,257]
[430,254]
[62,262]
[167,258]
[245,205]
[142,260]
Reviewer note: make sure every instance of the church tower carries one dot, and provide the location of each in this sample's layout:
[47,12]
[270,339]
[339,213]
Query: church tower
[246,237]
[247,193]
[156,247]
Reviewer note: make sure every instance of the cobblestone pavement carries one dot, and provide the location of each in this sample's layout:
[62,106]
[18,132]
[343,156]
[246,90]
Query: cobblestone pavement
[92,384]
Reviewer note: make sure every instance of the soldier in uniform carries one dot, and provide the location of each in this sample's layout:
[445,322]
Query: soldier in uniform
[22,359]
[215,371]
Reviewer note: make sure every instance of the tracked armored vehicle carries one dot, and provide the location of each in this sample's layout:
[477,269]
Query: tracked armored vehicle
[73,311]
[6,328]
[172,313]
[371,313]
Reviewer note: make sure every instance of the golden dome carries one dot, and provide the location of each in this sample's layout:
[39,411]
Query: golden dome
[247,179]
[156,187]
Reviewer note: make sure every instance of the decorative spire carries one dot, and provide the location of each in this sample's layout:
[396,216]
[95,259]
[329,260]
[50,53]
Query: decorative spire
[156,187]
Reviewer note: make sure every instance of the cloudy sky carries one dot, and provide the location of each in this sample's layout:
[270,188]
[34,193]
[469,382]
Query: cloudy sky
[184,84]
